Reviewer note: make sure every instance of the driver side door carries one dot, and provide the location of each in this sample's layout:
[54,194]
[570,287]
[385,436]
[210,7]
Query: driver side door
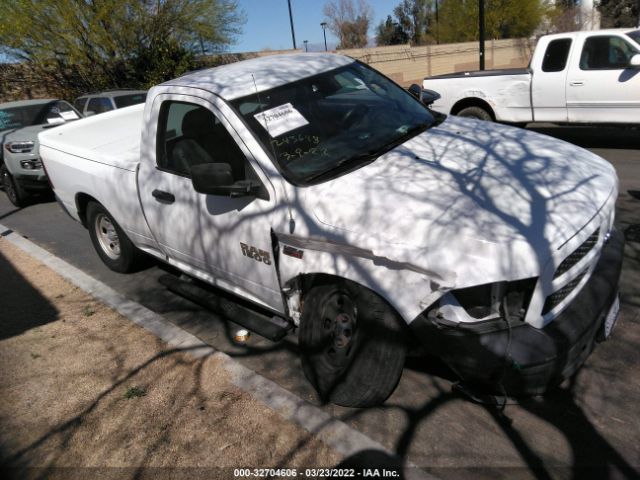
[601,87]
[223,240]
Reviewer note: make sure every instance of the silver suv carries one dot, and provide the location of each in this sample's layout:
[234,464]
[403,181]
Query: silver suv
[100,102]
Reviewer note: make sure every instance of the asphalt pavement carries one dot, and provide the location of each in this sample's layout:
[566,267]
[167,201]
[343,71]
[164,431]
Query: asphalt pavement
[588,427]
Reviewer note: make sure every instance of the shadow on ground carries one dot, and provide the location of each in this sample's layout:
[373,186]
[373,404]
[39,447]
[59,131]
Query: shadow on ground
[22,307]
[592,136]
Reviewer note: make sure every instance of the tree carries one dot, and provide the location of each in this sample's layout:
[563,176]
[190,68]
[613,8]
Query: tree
[414,17]
[390,32]
[618,13]
[349,21]
[503,19]
[411,23]
[95,44]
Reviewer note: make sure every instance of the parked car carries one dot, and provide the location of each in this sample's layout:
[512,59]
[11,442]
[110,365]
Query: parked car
[573,77]
[320,191]
[100,102]
[20,165]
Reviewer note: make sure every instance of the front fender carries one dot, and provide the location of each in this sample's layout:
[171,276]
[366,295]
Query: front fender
[406,288]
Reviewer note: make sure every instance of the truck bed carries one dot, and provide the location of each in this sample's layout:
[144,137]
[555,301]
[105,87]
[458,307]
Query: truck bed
[111,138]
[483,73]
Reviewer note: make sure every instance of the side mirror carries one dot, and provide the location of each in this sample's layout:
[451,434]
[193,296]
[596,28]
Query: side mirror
[430,96]
[634,62]
[217,179]
[425,96]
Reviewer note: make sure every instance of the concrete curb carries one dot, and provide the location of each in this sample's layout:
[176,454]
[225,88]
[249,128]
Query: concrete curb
[335,433]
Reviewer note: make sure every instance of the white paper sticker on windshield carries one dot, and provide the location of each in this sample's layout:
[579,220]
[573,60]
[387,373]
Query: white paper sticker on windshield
[69,115]
[281,119]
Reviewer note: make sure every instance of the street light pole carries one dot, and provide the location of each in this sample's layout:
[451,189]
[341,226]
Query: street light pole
[305,45]
[437,25]
[293,34]
[324,32]
[481,20]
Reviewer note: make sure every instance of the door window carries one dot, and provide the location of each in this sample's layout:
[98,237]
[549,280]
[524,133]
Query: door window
[606,52]
[80,103]
[555,58]
[190,135]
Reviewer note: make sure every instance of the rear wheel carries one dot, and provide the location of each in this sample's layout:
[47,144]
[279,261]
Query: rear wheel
[16,194]
[352,344]
[114,248]
[475,112]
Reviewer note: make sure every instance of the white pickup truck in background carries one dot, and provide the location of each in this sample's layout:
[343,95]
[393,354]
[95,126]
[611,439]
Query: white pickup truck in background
[326,195]
[575,77]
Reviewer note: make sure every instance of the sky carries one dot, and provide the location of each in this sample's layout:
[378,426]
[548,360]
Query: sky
[268,24]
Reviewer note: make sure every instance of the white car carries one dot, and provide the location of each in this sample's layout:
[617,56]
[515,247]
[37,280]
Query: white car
[21,170]
[324,193]
[573,77]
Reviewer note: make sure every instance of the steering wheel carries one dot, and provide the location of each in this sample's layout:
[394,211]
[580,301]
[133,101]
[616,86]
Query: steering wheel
[354,115]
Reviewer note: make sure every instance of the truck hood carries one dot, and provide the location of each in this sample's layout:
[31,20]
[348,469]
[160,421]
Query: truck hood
[467,191]
[27,133]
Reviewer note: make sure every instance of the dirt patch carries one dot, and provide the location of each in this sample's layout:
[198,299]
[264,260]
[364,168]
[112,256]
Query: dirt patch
[81,386]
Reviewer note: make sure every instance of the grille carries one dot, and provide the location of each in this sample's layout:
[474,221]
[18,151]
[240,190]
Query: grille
[558,296]
[577,255]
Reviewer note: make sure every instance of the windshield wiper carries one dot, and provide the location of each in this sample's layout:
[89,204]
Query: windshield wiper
[371,155]
[361,159]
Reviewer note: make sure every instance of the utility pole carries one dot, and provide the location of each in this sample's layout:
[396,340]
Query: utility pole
[481,17]
[305,45]
[293,34]
[324,32]
[438,25]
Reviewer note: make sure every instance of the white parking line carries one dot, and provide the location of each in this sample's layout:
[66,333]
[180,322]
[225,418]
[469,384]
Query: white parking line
[335,433]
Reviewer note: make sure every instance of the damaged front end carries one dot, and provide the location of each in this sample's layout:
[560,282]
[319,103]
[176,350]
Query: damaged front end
[482,332]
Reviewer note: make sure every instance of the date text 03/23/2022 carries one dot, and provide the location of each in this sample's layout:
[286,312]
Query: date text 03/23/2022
[316,473]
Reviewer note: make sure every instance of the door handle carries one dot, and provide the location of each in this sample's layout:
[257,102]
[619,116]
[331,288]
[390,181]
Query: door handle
[163,197]
[577,83]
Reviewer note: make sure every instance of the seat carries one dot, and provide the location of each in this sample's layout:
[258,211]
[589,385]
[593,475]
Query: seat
[191,148]
[205,140]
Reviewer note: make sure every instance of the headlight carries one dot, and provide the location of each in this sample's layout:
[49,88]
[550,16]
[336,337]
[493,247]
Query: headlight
[34,164]
[19,147]
[486,302]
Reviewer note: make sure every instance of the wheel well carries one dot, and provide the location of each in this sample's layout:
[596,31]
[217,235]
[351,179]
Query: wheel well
[472,102]
[82,200]
[304,281]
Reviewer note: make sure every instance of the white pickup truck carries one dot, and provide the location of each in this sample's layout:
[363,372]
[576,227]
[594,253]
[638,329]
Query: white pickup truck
[322,192]
[577,77]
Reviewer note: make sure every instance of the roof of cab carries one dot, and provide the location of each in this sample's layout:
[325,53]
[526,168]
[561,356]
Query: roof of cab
[258,74]
[604,31]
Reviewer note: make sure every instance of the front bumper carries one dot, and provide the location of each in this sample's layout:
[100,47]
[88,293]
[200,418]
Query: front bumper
[523,360]
[33,182]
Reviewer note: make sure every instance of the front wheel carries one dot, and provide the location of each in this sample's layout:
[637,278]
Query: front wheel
[352,344]
[113,246]
[478,113]
[16,194]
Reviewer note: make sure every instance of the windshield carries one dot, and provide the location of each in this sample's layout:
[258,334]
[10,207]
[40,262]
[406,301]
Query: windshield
[635,36]
[323,126]
[36,114]
[19,117]
[128,100]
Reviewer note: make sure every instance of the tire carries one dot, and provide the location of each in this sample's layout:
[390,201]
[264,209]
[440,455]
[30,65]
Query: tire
[478,113]
[352,344]
[113,246]
[16,194]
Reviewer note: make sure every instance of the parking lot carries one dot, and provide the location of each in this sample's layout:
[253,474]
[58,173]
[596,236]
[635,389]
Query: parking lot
[587,428]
